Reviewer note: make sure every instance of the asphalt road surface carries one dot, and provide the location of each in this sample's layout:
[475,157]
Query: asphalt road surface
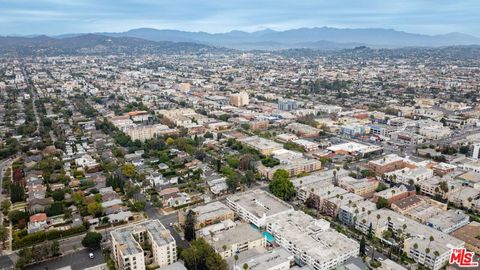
[77,261]
[166,220]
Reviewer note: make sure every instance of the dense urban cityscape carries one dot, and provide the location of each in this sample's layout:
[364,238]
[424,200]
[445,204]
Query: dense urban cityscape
[131,154]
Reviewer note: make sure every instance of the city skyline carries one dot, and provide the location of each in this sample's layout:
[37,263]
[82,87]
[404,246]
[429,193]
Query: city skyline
[52,17]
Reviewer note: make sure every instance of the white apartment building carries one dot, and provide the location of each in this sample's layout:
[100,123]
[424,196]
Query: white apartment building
[418,242]
[406,175]
[257,206]
[127,246]
[312,241]
[145,132]
[275,259]
[236,240]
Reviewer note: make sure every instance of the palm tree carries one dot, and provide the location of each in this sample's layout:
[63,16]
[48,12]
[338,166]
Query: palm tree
[436,254]
[430,241]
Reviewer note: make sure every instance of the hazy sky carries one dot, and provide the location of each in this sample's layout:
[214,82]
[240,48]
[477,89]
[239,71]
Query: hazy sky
[24,17]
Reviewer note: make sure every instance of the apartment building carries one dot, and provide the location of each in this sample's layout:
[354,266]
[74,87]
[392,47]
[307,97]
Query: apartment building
[303,130]
[287,104]
[127,245]
[449,221]
[257,206]
[393,194]
[387,163]
[307,145]
[311,240]
[275,259]
[264,146]
[307,185]
[348,213]
[208,214]
[146,132]
[433,254]
[469,234]
[332,205]
[236,240]
[292,162]
[407,176]
[363,187]
[239,99]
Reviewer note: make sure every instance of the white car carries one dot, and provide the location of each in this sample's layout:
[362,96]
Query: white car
[91,255]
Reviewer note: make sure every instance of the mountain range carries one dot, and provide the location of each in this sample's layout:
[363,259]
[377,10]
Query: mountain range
[317,37]
[93,44]
[148,40]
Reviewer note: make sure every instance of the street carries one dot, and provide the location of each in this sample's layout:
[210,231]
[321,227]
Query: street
[77,261]
[166,220]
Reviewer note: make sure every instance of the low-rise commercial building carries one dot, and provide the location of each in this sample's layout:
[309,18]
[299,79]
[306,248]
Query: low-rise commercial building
[469,234]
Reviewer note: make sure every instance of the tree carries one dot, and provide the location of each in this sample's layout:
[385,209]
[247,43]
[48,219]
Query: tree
[362,246]
[249,178]
[170,141]
[139,206]
[3,235]
[280,174]
[55,248]
[464,149]
[17,193]
[189,227]
[216,262]
[58,195]
[233,182]
[245,266]
[281,186]
[5,206]
[201,256]
[92,240]
[128,170]
[17,217]
[94,209]
[382,202]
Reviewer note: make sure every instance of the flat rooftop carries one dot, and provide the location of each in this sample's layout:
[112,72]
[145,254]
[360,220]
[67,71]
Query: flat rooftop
[267,260]
[211,210]
[260,203]
[469,234]
[312,236]
[129,245]
[240,234]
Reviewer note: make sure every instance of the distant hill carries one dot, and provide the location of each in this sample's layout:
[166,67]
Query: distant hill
[149,40]
[318,37]
[92,44]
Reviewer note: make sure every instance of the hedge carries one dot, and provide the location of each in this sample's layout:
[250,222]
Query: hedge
[38,237]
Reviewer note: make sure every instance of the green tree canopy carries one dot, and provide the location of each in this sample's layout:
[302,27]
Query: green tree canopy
[281,186]
[92,240]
